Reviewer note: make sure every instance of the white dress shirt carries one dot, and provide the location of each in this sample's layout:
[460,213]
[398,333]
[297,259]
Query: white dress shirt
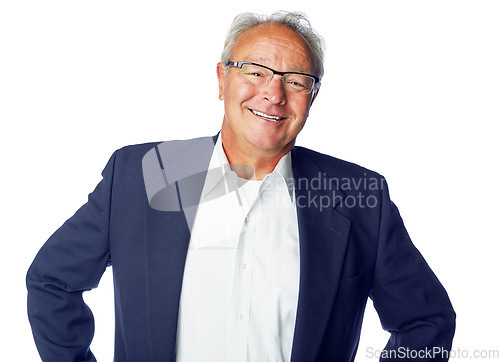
[241,279]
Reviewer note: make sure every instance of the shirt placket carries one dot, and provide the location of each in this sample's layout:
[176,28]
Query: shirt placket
[242,283]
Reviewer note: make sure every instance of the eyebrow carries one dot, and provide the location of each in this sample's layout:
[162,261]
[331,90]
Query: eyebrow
[263,61]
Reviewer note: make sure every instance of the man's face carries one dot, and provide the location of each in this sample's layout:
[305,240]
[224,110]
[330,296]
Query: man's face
[245,132]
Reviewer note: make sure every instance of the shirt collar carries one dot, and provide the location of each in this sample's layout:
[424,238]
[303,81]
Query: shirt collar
[284,172]
[219,168]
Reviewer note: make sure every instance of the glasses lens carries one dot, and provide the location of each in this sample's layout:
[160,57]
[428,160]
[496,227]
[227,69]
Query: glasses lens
[298,83]
[293,82]
[256,74]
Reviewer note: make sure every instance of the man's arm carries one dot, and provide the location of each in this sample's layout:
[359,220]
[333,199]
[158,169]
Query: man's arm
[71,262]
[411,302]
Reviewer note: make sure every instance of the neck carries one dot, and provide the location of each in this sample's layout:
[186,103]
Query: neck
[252,166]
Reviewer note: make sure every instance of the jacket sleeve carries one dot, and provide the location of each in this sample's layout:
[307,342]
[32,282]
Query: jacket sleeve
[411,302]
[69,263]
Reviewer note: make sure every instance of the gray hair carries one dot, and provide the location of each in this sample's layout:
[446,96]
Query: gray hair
[296,21]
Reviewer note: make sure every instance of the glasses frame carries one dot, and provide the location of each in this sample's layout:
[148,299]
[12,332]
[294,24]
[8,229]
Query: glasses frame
[240,64]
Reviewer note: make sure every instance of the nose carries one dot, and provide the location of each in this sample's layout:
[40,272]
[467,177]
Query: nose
[274,91]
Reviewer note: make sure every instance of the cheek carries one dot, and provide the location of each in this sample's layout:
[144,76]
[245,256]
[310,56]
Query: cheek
[238,93]
[301,108]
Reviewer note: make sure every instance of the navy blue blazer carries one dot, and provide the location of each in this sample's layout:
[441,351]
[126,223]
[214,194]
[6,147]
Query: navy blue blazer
[353,245]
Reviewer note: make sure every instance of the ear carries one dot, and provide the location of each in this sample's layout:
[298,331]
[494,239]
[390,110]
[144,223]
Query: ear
[221,76]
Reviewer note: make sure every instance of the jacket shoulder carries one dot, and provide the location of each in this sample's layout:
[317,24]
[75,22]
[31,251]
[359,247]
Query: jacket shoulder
[333,166]
[138,151]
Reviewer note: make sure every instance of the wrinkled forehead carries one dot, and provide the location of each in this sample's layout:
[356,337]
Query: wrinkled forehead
[274,43]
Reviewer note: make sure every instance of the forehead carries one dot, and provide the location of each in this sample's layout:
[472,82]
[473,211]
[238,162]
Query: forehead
[273,45]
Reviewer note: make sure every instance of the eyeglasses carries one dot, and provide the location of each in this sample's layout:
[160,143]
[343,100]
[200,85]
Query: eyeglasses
[260,75]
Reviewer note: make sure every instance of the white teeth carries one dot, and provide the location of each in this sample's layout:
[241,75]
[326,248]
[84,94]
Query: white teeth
[266,116]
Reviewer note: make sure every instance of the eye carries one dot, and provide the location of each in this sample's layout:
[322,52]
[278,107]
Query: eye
[254,74]
[254,71]
[299,82]
[296,84]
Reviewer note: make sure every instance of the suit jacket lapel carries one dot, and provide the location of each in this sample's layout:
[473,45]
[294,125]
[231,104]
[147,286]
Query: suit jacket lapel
[174,174]
[323,235]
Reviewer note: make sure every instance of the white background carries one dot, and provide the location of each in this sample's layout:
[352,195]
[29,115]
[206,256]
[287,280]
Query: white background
[411,90]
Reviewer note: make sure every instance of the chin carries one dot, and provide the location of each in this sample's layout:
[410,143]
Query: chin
[265,144]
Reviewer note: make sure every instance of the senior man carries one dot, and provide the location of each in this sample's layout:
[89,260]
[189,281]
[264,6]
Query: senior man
[242,246]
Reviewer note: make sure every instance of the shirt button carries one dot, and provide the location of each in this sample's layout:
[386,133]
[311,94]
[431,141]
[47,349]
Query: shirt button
[240,316]
[247,219]
[243,266]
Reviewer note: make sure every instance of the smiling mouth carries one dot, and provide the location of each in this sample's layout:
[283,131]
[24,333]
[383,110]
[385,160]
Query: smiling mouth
[267,117]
